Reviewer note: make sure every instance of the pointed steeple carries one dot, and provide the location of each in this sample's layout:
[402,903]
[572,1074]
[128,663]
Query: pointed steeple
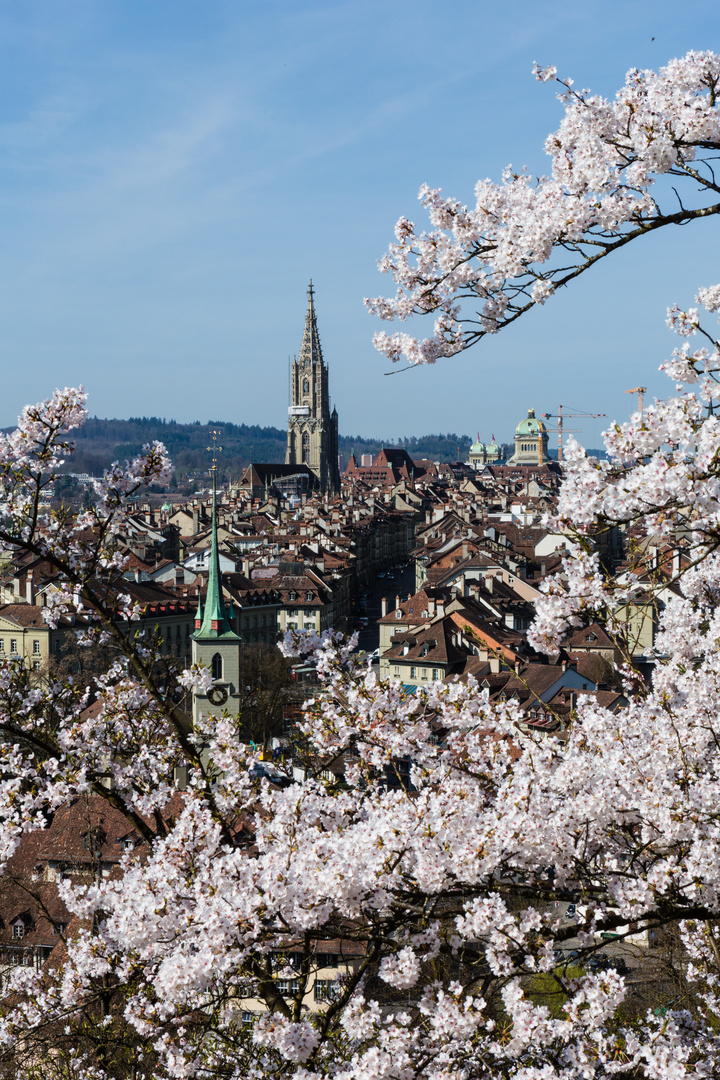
[310,349]
[215,618]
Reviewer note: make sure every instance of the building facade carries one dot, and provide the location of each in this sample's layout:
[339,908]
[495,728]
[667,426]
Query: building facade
[312,428]
[531,442]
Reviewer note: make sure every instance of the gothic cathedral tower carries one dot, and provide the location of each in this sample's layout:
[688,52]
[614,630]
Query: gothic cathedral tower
[312,428]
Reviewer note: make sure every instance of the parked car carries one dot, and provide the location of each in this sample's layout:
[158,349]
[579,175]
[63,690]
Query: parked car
[604,962]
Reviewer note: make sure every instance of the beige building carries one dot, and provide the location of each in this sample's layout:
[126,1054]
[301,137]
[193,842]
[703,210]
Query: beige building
[531,442]
[24,634]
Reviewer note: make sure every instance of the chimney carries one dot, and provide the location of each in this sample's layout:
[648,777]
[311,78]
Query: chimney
[195,520]
[397,601]
[179,575]
[137,573]
[29,588]
[246,565]
[489,583]
[383,607]
[431,607]
[441,608]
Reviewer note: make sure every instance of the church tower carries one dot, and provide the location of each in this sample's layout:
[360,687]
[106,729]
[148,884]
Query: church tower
[214,643]
[312,428]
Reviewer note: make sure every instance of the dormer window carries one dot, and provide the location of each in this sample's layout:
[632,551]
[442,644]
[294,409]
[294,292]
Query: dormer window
[398,613]
[18,930]
[425,614]
[293,595]
[94,839]
[308,596]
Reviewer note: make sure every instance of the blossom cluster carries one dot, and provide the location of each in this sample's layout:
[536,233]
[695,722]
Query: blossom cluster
[499,257]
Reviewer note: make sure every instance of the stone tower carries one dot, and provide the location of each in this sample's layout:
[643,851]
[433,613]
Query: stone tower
[312,428]
[215,643]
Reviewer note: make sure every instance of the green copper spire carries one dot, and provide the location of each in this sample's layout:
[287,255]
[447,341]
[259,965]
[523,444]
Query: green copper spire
[215,620]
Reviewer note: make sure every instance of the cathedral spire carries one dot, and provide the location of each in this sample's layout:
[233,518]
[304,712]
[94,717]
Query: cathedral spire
[310,350]
[215,620]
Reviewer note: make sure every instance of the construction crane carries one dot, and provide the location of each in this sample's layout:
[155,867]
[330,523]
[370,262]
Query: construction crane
[639,390]
[574,415]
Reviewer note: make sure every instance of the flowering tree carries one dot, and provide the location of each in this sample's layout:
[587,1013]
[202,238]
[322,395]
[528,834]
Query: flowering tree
[620,170]
[428,839]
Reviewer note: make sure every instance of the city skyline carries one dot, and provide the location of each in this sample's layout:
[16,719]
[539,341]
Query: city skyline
[174,176]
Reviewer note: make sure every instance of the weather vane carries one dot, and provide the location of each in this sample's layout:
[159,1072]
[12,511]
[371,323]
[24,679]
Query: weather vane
[214,450]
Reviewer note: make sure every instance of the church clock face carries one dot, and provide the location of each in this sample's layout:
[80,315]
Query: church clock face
[218,695]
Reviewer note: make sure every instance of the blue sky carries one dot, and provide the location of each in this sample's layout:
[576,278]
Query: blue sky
[172,172]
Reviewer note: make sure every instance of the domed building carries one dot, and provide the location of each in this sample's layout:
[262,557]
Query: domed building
[482,454]
[531,442]
[476,457]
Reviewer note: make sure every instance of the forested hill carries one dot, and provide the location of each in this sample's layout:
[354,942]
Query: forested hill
[99,442]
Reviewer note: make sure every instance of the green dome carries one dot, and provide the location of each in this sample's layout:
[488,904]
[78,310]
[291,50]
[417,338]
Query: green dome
[530,426]
[166,507]
[492,448]
[477,448]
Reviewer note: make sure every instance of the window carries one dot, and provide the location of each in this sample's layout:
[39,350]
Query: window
[2,645]
[306,386]
[262,620]
[18,930]
[36,665]
[216,666]
[305,447]
[288,987]
[13,645]
[254,620]
[435,673]
[293,595]
[398,613]
[412,673]
[36,647]
[94,839]
[308,596]
[327,959]
[325,989]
